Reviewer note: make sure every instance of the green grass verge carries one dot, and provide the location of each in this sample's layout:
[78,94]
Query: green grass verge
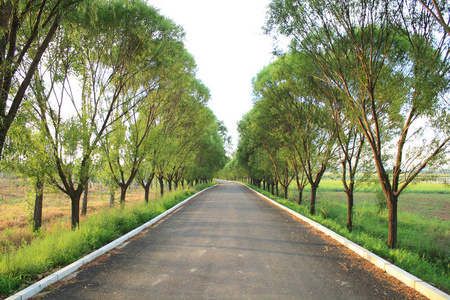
[54,251]
[423,244]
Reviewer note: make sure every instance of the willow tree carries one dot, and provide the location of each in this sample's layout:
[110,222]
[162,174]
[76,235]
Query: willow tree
[26,29]
[208,151]
[350,141]
[125,148]
[388,87]
[266,158]
[103,46]
[180,130]
[252,156]
[177,68]
[300,119]
[26,153]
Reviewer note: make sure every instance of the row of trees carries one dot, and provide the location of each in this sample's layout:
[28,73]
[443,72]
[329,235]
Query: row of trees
[361,76]
[114,99]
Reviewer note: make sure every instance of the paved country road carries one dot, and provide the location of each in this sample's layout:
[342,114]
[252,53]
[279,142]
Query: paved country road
[227,243]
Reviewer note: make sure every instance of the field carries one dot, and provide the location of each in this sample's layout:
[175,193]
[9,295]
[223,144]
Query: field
[16,209]
[429,200]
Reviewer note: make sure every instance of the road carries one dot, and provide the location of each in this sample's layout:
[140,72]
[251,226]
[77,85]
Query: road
[227,243]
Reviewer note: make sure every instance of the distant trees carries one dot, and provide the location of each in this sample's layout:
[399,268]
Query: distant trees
[296,123]
[115,88]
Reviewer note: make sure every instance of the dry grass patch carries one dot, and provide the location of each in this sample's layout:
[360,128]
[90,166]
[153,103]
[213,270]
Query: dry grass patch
[16,209]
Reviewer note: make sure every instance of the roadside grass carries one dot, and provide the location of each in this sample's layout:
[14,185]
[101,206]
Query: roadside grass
[51,251]
[423,243]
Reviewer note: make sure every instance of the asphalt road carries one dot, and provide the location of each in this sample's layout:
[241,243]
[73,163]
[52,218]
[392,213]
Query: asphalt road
[227,243]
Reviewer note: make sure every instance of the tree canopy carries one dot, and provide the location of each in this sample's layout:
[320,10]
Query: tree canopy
[115,88]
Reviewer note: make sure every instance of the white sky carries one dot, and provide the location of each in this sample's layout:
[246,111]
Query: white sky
[229,47]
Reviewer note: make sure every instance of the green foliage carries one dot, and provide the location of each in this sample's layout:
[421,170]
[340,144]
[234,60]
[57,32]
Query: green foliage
[380,200]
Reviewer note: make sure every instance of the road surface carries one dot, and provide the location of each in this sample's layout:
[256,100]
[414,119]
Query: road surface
[227,243]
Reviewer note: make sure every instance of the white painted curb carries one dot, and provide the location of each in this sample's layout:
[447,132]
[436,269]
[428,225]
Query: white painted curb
[407,278]
[40,285]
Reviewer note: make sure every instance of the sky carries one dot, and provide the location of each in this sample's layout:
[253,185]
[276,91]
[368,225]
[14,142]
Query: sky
[229,47]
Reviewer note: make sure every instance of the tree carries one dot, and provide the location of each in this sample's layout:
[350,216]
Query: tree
[104,50]
[300,120]
[123,147]
[26,153]
[257,149]
[26,30]
[350,141]
[208,155]
[437,10]
[361,51]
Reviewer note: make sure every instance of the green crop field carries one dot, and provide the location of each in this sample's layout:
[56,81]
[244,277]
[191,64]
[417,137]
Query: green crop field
[430,200]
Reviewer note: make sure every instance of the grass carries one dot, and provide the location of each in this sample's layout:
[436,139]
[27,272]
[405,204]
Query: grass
[423,243]
[51,251]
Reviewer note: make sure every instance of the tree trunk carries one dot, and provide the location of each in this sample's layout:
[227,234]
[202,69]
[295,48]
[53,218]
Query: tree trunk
[349,193]
[312,209]
[392,207]
[146,186]
[276,189]
[161,185]
[169,182]
[300,190]
[147,192]
[286,191]
[85,200]
[123,193]
[391,201]
[75,201]
[300,196]
[37,216]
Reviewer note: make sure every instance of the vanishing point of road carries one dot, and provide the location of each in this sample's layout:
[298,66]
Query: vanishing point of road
[227,243]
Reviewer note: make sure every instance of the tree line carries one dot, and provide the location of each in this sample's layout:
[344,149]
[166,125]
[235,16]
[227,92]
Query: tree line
[102,91]
[362,88]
